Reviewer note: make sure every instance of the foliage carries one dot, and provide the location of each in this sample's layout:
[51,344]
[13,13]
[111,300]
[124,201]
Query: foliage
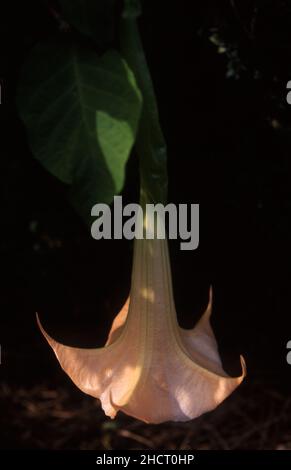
[81,109]
[81,112]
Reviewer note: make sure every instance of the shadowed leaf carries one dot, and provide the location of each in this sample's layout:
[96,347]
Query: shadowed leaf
[81,113]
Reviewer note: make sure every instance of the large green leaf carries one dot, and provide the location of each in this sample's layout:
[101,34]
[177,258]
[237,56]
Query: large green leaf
[94,18]
[81,113]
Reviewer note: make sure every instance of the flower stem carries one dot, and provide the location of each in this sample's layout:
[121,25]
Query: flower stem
[150,144]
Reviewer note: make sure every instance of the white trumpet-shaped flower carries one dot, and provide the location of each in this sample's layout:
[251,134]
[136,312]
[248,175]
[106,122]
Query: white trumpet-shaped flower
[150,368]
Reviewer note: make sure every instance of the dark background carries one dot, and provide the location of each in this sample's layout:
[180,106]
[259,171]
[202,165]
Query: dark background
[220,71]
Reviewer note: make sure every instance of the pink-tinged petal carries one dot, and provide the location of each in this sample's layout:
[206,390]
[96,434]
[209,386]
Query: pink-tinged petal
[108,373]
[175,388]
[118,324]
[200,343]
[181,391]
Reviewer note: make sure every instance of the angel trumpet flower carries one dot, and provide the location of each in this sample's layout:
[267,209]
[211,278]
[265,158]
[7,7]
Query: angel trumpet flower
[150,368]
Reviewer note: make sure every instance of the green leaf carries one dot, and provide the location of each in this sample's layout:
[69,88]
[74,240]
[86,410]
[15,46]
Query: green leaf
[81,113]
[94,18]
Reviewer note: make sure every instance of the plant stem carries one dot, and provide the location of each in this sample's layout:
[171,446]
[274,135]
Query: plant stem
[150,144]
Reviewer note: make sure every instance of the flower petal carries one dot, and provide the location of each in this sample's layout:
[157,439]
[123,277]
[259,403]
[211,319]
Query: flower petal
[110,373]
[178,390]
[200,342]
[118,324]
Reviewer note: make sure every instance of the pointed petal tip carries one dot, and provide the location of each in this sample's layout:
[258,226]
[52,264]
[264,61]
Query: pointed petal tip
[208,311]
[108,406]
[49,339]
[38,319]
[210,301]
[39,324]
[118,323]
[244,367]
[109,413]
